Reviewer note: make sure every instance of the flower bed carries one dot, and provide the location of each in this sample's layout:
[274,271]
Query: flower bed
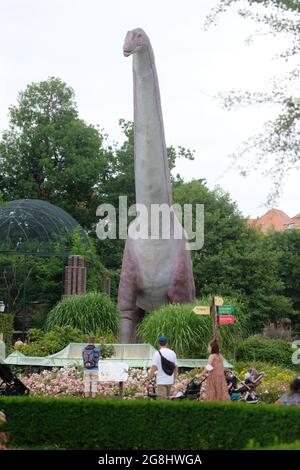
[69,382]
[3,435]
[275,383]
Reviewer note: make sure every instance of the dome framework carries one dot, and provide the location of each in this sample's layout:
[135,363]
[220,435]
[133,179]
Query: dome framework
[37,228]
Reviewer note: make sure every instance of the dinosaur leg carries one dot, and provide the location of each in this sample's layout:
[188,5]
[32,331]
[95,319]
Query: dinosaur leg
[129,322]
[127,298]
[182,287]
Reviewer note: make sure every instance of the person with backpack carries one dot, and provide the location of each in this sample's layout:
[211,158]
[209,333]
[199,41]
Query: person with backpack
[164,362]
[90,356]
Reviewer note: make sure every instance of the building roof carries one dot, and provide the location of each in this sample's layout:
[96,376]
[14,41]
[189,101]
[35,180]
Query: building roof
[274,219]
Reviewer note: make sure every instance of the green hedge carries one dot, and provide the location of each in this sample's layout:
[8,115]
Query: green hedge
[274,351]
[6,327]
[73,423]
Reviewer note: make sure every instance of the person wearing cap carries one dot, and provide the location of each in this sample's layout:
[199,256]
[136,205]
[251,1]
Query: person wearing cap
[164,381]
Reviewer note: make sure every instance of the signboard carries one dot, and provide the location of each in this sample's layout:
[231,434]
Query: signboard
[219,301]
[226,310]
[226,319]
[113,371]
[201,310]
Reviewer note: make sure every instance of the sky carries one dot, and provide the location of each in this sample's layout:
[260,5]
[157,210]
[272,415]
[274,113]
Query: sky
[80,41]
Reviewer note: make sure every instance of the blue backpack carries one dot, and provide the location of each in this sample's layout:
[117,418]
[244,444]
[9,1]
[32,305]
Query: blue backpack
[90,357]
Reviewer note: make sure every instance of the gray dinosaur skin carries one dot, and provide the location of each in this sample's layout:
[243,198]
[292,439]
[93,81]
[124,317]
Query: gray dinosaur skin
[154,272]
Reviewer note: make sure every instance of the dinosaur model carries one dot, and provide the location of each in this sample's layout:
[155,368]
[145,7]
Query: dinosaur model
[154,271]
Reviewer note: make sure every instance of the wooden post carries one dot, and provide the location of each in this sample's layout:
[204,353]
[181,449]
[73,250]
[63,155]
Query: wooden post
[214,318]
[107,285]
[121,389]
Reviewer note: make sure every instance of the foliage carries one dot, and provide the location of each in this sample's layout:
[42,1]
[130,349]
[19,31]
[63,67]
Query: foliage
[278,145]
[6,327]
[50,153]
[189,333]
[37,421]
[30,279]
[276,380]
[287,245]
[274,351]
[292,446]
[69,382]
[3,436]
[235,260]
[87,312]
[43,344]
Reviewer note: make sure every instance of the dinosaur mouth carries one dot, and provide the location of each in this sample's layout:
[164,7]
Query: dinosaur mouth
[127,53]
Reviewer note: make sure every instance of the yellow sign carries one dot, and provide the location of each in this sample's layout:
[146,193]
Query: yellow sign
[201,310]
[219,301]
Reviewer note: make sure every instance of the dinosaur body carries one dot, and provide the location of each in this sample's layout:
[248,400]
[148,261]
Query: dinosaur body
[154,271]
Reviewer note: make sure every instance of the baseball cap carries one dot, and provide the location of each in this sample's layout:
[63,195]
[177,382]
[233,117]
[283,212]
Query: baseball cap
[163,340]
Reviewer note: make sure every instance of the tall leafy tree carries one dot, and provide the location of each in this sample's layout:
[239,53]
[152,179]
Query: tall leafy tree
[49,153]
[235,260]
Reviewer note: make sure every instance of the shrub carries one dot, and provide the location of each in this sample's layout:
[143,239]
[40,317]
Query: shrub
[87,312]
[275,383]
[6,327]
[3,435]
[256,348]
[189,333]
[69,382]
[68,423]
[292,446]
[43,344]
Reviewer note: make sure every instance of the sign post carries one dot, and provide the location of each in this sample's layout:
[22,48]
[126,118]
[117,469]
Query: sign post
[201,310]
[214,317]
[226,319]
[226,310]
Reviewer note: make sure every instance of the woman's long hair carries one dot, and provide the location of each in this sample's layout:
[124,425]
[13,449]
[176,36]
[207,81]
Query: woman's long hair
[214,345]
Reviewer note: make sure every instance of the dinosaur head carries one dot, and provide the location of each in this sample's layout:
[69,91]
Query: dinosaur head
[135,40]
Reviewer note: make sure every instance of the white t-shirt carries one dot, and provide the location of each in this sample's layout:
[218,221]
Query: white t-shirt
[162,378]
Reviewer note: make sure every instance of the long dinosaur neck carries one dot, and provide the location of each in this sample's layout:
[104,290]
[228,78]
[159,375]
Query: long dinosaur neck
[152,176]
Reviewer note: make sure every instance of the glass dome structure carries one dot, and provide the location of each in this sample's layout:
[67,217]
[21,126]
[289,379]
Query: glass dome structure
[37,228]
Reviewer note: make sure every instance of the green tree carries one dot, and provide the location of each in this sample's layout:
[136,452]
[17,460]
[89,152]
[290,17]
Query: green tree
[287,246]
[49,153]
[235,260]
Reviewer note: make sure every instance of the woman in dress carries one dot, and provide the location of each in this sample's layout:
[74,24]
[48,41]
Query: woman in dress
[214,387]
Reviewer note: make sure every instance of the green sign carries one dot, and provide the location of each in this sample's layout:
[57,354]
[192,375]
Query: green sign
[226,309]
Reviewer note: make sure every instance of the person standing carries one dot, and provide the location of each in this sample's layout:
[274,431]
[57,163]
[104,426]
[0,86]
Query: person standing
[90,356]
[164,362]
[214,387]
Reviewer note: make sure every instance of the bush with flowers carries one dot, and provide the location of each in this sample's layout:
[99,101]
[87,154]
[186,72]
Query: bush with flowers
[3,435]
[275,383]
[69,382]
